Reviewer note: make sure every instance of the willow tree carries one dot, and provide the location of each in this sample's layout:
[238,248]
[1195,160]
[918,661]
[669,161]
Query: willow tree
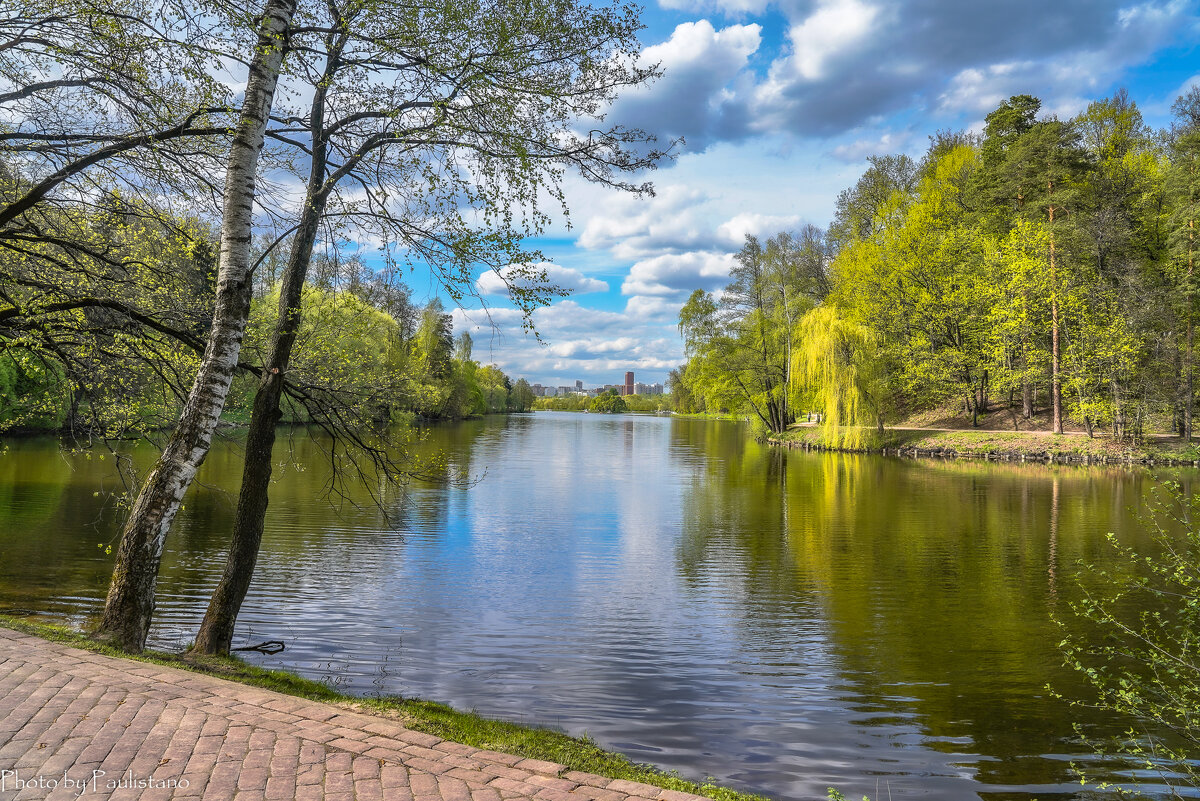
[841,367]
[436,128]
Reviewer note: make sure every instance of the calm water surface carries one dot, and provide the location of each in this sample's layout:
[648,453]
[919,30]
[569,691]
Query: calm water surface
[780,621]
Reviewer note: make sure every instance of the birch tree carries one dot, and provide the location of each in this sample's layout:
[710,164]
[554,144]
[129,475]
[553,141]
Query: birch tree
[130,602]
[437,129]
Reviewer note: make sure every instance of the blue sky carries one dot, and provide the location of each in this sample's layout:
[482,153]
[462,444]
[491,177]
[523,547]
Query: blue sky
[780,103]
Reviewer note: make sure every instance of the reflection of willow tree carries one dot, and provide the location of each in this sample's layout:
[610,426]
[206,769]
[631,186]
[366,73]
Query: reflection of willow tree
[938,584]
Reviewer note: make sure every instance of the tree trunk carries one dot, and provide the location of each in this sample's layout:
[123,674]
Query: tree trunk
[130,602]
[1189,390]
[216,630]
[1026,387]
[1055,378]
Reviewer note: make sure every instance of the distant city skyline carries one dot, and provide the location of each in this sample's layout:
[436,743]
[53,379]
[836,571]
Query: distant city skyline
[628,386]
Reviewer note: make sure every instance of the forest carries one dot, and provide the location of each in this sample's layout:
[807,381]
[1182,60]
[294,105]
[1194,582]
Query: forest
[100,371]
[1043,269]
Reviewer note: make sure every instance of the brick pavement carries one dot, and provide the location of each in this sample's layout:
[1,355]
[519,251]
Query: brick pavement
[75,724]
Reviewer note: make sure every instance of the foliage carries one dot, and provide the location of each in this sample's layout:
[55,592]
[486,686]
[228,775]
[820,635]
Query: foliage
[32,391]
[1044,264]
[565,403]
[742,345]
[840,360]
[834,794]
[362,346]
[1135,641]
[609,402]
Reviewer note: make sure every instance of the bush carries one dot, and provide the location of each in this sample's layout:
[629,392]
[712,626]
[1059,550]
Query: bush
[1135,641]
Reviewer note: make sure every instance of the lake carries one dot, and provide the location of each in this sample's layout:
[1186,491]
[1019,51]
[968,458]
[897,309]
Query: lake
[779,620]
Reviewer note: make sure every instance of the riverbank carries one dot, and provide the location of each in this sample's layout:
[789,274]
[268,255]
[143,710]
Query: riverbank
[998,445]
[576,768]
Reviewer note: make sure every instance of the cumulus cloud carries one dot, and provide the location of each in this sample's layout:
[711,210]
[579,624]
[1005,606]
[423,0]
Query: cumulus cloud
[835,29]
[677,218]
[734,231]
[497,282]
[703,92]
[577,342]
[650,308]
[885,142]
[676,274]
[846,64]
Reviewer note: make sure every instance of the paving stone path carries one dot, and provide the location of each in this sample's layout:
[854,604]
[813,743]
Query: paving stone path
[75,724]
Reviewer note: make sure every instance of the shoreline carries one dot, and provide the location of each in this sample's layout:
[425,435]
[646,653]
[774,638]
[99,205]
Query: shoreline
[529,742]
[1004,446]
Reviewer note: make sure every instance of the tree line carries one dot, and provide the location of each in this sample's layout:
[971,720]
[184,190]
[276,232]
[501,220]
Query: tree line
[1043,267]
[362,340]
[608,401]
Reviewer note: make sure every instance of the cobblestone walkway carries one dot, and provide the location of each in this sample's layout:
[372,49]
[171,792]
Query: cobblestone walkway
[74,724]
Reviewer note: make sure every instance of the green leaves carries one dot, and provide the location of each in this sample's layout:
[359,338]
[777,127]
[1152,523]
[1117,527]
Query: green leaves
[1134,634]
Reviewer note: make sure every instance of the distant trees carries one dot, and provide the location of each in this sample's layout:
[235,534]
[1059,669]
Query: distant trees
[1044,264]
[742,345]
[608,401]
[521,398]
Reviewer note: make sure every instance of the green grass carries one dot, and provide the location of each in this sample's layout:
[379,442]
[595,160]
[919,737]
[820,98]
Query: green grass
[1034,445]
[576,753]
[740,418]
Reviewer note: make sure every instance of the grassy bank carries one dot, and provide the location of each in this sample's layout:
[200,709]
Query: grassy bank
[1011,445]
[575,753]
[738,418]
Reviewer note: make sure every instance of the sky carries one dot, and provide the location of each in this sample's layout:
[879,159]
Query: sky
[779,103]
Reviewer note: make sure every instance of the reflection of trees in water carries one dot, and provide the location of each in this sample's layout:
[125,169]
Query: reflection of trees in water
[55,508]
[934,580]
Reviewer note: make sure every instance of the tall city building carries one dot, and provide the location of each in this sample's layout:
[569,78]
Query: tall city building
[628,384]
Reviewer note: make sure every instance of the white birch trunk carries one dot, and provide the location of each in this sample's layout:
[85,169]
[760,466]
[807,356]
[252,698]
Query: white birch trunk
[130,601]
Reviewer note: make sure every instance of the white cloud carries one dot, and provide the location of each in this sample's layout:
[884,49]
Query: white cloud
[676,274]
[705,84]
[887,142]
[748,223]
[835,27]
[578,348]
[675,219]
[649,308]
[577,342]
[496,282]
